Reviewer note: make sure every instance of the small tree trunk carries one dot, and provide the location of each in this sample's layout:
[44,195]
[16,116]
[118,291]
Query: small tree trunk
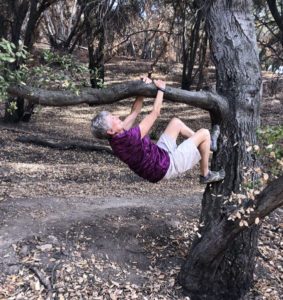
[96,61]
[202,62]
[227,273]
[190,57]
[133,50]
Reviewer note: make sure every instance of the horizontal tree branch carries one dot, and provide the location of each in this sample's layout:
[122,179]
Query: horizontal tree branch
[206,100]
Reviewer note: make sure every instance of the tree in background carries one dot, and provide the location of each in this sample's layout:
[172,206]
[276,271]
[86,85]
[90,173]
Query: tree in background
[269,30]
[63,24]
[20,20]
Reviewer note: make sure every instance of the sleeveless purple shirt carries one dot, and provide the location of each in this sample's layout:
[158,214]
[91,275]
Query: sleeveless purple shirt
[141,155]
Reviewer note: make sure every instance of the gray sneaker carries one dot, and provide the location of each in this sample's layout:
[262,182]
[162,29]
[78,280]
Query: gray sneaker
[213,176]
[215,132]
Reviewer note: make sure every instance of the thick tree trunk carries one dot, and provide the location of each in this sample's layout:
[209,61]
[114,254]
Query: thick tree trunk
[228,274]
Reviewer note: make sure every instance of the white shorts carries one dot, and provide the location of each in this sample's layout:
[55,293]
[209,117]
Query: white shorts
[182,157]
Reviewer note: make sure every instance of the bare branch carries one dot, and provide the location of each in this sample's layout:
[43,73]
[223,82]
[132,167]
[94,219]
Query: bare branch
[206,100]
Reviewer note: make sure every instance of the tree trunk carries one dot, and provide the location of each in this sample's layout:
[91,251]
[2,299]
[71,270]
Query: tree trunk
[276,15]
[203,62]
[20,11]
[190,55]
[96,60]
[228,274]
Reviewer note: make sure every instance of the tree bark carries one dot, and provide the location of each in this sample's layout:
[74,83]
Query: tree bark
[227,273]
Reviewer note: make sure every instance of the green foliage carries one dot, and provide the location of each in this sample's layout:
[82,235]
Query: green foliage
[56,72]
[12,107]
[49,76]
[96,74]
[65,62]
[271,140]
[10,75]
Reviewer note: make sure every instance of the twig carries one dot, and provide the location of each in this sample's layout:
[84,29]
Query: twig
[57,264]
[43,280]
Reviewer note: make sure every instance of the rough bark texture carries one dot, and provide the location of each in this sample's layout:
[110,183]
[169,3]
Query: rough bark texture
[227,274]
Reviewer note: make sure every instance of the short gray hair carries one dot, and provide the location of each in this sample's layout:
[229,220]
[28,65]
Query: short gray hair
[100,125]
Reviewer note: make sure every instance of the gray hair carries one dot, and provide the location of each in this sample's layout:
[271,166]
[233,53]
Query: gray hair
[100,125]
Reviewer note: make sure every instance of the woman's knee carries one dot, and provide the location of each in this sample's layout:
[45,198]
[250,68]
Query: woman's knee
[204,133]
[176,121]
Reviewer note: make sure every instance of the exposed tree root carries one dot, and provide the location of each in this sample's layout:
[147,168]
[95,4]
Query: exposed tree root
[36,140]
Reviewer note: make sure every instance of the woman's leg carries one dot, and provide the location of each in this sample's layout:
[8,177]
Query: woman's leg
[176,127]
[202,140]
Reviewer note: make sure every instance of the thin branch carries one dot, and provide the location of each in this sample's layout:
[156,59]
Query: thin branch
[137,32]
[43,280]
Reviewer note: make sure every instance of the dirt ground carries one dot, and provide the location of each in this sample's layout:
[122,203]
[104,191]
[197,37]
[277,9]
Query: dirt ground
[78,224]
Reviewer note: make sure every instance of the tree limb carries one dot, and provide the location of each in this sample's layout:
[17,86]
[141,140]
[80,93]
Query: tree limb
[206,100]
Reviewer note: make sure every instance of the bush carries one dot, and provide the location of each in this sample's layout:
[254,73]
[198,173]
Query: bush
[271,141]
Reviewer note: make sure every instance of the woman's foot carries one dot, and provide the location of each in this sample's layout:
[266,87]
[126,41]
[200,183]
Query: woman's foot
[212,176]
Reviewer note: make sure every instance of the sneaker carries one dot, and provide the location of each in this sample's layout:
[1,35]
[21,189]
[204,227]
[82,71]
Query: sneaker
[215,132]
[212,176]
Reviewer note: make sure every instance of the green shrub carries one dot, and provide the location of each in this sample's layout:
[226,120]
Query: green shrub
[56,72]
[271,141]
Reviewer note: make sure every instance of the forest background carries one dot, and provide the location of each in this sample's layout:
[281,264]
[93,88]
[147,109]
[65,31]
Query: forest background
[70,45]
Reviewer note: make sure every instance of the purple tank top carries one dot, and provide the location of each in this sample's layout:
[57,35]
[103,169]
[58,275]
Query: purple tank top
[142,156]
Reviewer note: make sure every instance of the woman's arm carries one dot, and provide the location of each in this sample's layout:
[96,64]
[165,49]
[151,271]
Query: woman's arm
[146,124]
[136,109]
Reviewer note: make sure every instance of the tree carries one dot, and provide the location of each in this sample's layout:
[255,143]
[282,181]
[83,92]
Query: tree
[15,13]
[269,33]
[102,20]
[274,9]
[221,260]
[63,24]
